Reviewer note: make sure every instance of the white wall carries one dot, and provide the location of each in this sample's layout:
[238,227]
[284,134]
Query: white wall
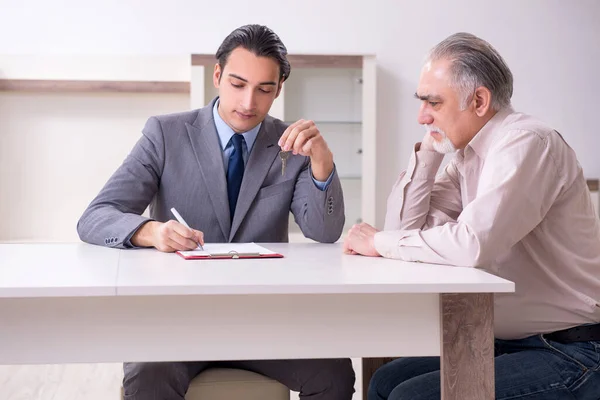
[58,150]
[551,46]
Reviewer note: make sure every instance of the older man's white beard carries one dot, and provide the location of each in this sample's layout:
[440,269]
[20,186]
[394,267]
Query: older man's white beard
[443,146]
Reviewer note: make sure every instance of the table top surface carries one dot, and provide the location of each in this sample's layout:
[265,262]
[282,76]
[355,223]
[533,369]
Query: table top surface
[79,269]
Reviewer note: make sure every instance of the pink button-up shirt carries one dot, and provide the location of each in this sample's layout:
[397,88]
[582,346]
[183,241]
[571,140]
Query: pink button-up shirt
[515,203]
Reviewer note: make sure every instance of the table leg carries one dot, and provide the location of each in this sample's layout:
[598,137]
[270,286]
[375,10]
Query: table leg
[467,347]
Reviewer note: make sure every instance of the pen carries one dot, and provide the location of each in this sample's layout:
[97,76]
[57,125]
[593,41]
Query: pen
[182,221]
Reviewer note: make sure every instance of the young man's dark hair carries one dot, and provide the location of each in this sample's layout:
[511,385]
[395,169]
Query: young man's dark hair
[259,40]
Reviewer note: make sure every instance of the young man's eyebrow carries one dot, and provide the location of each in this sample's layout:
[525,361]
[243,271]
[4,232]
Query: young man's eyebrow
[246,80]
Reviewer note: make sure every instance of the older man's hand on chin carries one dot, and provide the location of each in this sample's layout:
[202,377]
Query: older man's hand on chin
[361,240]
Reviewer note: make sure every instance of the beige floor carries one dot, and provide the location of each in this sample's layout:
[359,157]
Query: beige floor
[60,382]
[76,382]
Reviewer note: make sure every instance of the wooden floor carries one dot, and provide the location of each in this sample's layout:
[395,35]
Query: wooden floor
[78,381]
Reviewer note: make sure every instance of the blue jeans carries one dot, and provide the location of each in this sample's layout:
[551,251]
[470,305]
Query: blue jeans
[533,368]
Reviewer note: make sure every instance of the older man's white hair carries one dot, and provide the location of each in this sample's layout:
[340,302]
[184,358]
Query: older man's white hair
[475,63]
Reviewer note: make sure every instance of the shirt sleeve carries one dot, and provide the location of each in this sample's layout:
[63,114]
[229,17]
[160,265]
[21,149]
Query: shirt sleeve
[517,186]
[418,200]
[323,185]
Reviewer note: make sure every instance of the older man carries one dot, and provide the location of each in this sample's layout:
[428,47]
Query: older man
[513,201]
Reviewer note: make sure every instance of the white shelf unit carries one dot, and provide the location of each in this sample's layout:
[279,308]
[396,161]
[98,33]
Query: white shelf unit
[337,92]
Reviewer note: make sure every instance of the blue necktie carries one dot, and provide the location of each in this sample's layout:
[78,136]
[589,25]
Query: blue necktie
[235,172]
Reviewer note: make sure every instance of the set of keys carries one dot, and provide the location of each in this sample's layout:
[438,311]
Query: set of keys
[284,155]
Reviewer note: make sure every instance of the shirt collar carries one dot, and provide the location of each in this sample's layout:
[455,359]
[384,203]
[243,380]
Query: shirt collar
[225,132]
[484,139]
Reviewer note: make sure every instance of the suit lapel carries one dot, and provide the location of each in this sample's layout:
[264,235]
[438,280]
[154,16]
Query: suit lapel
[206,146]
[261,158]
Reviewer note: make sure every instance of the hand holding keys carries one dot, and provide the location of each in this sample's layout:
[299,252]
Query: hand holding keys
[283,155]
[304,138]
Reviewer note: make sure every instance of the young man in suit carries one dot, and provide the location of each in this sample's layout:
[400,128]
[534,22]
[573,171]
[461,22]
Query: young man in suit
[219,166]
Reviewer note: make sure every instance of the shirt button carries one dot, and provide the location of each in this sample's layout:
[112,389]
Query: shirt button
[423,164]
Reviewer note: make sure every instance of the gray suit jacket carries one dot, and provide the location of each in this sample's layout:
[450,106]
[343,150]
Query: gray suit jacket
[178,162]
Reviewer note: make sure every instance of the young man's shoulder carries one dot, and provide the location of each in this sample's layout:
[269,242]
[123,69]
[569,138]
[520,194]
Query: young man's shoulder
[176,123]
[182,117]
